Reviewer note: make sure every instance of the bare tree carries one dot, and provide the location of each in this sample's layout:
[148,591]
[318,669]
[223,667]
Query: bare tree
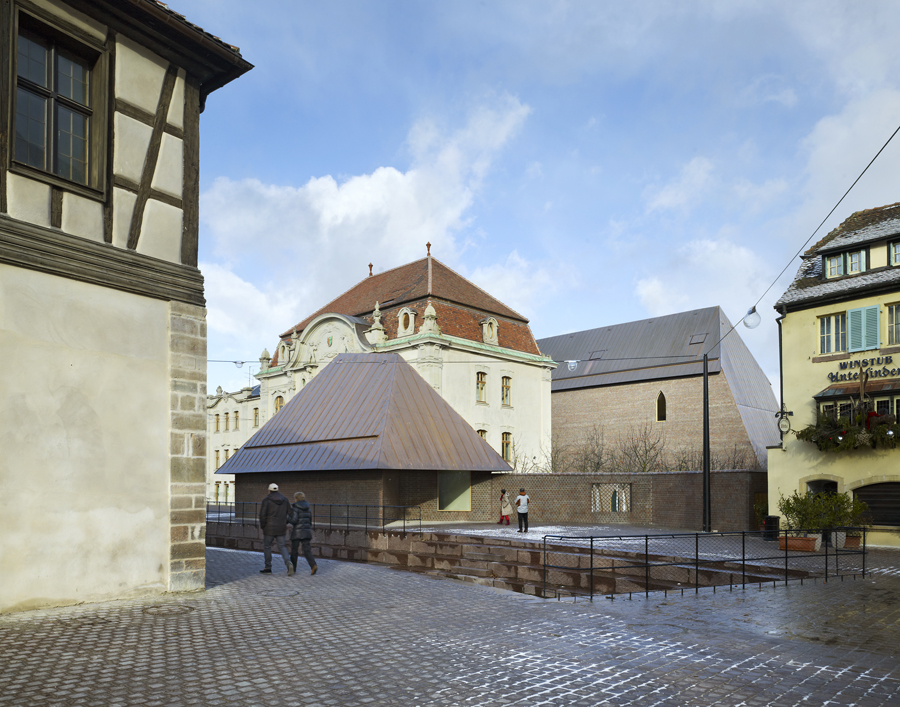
[591,454]
[640,449]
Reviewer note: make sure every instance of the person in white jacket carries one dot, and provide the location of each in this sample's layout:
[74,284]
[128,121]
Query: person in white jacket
[505,507]
[522,509]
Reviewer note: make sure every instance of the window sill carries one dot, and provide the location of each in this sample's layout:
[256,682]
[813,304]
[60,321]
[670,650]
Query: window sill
[481,402]
[830,357]
[54,181]
[508,407]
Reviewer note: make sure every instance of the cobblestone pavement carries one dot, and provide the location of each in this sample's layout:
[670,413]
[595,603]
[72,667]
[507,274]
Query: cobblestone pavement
[367,635]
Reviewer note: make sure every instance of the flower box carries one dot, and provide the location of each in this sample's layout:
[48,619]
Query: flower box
[801,544]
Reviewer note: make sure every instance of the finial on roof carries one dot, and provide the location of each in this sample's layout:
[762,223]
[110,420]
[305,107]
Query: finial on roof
[430,325]
[428,246]
[370,269]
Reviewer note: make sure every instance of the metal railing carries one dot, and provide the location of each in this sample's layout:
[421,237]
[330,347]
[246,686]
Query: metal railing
[241,519]
[628,564]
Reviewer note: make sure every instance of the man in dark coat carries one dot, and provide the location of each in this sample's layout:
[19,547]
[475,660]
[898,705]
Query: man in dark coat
[301,518]
[273,513]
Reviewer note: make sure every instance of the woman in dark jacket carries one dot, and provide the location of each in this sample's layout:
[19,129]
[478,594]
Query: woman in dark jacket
[300,518]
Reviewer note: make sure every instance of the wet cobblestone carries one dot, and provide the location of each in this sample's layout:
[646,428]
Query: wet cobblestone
[367,635]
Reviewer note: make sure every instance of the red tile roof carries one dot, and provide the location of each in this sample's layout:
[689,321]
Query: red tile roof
[460,304]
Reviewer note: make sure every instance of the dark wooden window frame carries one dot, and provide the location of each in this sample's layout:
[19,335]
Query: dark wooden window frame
[506,446]
[55,31]
[506,391]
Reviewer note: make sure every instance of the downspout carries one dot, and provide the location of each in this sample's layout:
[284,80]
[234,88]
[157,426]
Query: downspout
[781,365]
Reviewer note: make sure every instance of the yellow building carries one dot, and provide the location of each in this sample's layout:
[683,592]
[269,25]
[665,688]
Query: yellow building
[840,371]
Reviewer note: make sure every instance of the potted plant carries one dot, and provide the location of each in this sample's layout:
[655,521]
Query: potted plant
[802,513]
[846,511]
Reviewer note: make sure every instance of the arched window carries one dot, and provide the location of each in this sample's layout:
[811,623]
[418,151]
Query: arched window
[661,407]
[217,423]
[482,434]
[481,387]
[279,403]
[236,412]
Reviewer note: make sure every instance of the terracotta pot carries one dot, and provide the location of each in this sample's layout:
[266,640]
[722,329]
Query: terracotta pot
[852,541]
[801,544]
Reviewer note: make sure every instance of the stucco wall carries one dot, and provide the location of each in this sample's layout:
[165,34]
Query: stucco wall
[84,429]
[805,374]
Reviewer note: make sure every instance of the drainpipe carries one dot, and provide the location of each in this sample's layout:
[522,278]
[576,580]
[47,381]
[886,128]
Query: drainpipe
[781,365]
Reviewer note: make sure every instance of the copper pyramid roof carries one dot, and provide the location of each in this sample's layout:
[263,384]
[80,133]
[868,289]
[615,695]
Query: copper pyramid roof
[365,411]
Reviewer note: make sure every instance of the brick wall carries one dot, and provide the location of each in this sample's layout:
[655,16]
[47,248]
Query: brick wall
[620,408]
[187,447]
[662,499]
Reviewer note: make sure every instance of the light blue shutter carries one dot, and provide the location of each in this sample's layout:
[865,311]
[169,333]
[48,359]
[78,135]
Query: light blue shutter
[855,325]
[864,328]
[872,330]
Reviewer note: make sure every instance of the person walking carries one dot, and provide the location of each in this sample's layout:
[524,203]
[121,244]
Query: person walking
[273,513]
[300,518]
[522,509]
[505,507]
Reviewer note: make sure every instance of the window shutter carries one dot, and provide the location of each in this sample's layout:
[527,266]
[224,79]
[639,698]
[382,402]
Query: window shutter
[855,326]
[862,261]
[870,328]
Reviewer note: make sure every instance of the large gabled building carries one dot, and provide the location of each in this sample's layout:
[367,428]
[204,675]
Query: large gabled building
[476,352]
[840,358]
[644,379]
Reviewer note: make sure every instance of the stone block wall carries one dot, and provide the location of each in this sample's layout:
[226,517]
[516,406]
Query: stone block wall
[620,409]
[187,447]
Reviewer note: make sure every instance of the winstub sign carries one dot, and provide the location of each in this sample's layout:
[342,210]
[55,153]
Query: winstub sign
[878,367]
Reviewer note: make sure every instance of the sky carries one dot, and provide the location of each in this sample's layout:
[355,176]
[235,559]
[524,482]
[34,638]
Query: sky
[587,163]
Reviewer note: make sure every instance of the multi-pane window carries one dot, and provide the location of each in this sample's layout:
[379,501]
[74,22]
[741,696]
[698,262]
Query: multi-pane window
[217,459]
[833,333]
[279,403]
[226,455]
[53,108]
[482,434]
[236,419]
[894,324]
[895,253]
[217,423]
[226,422]
[506,446]
[256,417]
[883,407]
[834,265]
[856,262]
[481,387]
[505,396]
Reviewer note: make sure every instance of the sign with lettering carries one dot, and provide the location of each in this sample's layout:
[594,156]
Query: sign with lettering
[878,367]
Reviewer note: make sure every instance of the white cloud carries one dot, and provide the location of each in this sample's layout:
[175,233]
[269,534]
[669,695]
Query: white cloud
[687,190]
[517,282]
[314,241]
[769,88]
[754,197]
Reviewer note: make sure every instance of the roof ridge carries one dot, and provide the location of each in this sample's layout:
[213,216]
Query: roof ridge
[324,308]
[484,292]
[864,217]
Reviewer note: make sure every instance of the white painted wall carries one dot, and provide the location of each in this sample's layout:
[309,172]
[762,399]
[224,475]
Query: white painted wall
[84,434]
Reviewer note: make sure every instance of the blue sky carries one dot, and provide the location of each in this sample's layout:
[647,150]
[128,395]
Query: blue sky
[588,163]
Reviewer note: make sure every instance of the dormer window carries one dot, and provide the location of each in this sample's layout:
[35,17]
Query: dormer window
[845,264]
[406,322]
[489,331]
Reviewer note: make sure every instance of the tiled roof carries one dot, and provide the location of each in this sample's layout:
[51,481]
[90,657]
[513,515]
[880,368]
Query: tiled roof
[197,28]
[460,304]
[861,227]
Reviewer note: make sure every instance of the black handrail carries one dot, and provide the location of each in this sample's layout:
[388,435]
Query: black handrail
[344,516]
[721,553]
